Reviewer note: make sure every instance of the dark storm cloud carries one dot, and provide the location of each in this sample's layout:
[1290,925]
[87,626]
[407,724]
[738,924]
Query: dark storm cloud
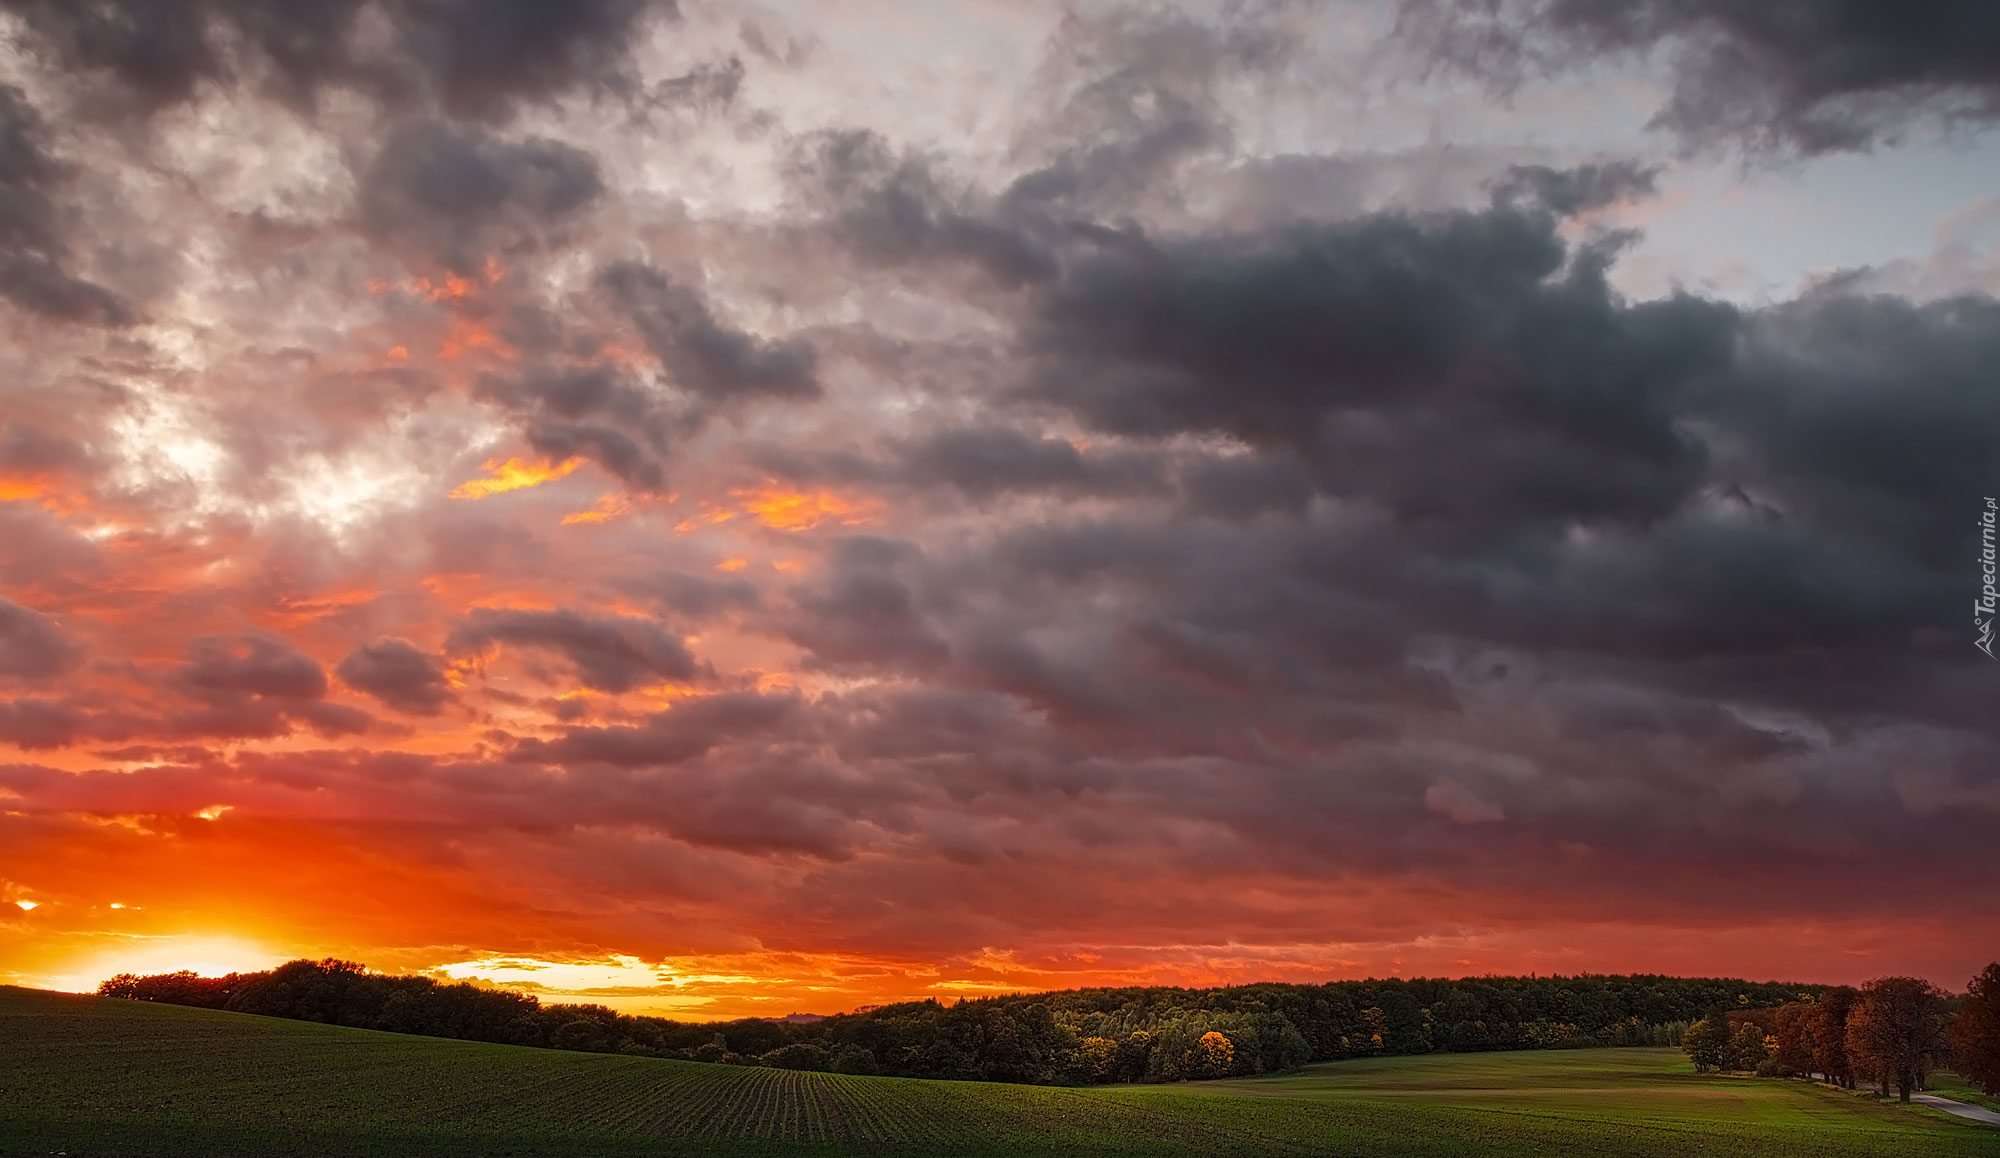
[467,196]
[611,653]
[1869,411]
[703,355]
[34,250]
[1558,467]
[399,675]
[1815,76]
[468,58]
[33,646]
[1403,356]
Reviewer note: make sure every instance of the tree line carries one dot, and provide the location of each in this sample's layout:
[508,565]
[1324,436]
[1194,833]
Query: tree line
[1084,1036]
[1889,1034]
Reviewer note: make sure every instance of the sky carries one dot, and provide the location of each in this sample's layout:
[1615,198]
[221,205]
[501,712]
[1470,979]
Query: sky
[729,509]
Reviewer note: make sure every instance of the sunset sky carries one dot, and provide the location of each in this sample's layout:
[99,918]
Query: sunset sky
[733,508]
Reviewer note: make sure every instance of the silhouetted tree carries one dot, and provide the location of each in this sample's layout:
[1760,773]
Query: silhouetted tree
[799,1055]
[1896,1032]
[1975,1032]
[855,1059]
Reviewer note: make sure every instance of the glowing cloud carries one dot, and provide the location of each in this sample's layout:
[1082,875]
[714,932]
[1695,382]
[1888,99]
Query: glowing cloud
[513,475]
[789,510]
[606,508]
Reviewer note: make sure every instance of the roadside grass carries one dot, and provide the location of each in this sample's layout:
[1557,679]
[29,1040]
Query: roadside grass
[93,1077]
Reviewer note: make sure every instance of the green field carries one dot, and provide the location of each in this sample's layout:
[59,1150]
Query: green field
[91,1076]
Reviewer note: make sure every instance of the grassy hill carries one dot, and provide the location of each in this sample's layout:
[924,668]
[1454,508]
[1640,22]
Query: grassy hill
[92,1076]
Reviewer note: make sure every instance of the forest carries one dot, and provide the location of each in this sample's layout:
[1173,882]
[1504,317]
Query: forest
[1076,1037]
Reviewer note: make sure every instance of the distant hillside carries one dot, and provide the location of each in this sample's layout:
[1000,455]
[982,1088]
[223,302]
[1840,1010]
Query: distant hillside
[123,1079]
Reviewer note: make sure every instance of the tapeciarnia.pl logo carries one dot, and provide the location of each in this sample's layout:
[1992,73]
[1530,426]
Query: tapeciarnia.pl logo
[1983,607]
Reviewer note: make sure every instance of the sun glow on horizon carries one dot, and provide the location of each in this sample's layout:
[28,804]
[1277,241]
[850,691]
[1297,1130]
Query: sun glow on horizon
[209,956]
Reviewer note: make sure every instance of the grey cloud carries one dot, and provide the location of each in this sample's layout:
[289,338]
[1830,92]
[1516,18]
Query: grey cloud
[607,415]
[398,674]
[38,724]
[34,251]
[863,612]
[896,208]
[33,646]
[253,665]
[467,195]
[1400,356]
[985,461]
[1245,486]
[1138,96]
[693,596]
[689,730]
[1815,76]
[611,653]
[1567,192]
[468,58]
[239,688]
[479,56]
[570,404]
[1475,443]
[704,356]
[1554,466]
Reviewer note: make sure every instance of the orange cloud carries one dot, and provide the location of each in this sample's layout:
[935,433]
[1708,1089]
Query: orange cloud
[512,475]
[19,488]
[448,287]
[606,508]
[466,335]
[451,288]
[788,510]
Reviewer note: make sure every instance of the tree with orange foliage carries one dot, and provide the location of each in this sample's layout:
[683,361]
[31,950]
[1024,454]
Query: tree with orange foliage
[1794,1026]
[1975,1032]
[1896,1032]
[1214,1054]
